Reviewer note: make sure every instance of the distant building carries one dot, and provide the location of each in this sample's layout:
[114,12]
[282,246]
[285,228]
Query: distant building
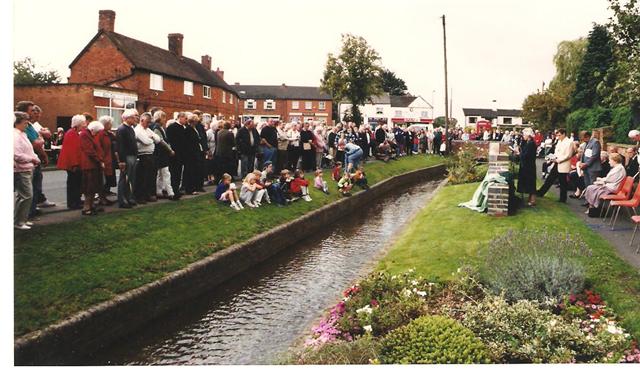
[502,118]
[285,103]
[393,109]
[114,64]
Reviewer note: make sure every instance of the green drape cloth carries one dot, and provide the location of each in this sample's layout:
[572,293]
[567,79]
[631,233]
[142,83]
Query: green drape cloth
[479,200]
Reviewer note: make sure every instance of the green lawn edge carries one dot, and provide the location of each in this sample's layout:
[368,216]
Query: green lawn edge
[444,237]
[64,268]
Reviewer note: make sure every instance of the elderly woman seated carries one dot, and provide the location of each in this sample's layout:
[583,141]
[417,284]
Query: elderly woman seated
[606,185]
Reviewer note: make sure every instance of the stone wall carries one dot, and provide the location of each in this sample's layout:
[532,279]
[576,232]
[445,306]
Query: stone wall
[498,194]
[99,326]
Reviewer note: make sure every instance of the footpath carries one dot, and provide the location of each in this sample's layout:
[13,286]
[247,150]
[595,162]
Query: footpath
[619,238]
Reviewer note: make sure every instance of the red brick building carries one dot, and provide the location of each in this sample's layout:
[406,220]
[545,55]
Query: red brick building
[285,103]
[113,64]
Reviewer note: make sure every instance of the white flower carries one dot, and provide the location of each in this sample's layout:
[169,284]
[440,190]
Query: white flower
[406,292]
[612,329]
[365,309]
[411,270]
[414,283]
[394,277]
[432,284]
[367,328]
[553,322]
[421,293]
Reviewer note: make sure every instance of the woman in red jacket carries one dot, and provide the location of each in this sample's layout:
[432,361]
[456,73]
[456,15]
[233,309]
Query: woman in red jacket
[69,160]
[107,141]
[92,165]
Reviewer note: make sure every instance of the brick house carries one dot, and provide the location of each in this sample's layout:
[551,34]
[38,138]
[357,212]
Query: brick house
[285,103]
[113,71]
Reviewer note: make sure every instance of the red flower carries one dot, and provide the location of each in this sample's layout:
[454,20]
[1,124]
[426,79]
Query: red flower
[375,303]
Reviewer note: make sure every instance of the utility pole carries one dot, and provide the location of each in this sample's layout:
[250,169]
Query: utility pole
[446,82]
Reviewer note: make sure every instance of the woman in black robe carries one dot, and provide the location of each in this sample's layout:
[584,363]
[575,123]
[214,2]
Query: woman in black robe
[527,173]
[308,153]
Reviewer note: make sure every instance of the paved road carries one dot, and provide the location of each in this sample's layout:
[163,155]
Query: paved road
[55,188]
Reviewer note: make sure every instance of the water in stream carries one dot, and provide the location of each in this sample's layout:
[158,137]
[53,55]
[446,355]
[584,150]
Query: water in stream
[255,317]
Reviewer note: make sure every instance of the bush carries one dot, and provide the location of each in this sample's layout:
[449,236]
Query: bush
[534,265]
[361,351]
[527,333]
[462,167]
[383,302]
[432,339]
[622,121]
[588,119]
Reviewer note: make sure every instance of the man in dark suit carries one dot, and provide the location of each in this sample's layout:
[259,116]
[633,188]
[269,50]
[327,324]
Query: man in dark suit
[128,155]
[437,140]
[201,164]
[631,162]
[590,160]
[247,141]
[175,137]
[225,143]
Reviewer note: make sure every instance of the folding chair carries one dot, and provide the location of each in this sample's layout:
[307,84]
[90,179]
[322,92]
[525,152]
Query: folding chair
[628,204]
[623,193]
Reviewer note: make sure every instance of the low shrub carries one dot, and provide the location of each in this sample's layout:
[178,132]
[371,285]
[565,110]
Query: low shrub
[622,122]
[362,351]
[462,167]
[525,332]
[534,265]
[432,339]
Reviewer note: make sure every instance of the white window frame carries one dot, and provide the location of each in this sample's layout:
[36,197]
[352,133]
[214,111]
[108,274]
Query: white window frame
[295,104]
[424,114]
[224,96]
[473,119]
[269,104]
[308,105]
[158,80]
[322,106]
[398,113]
[249,104]
[379,111]
[188,88]
[206,91]
[231,99]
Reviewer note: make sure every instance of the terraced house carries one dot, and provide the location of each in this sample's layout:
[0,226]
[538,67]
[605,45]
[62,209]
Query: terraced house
[114,71]
[285,103]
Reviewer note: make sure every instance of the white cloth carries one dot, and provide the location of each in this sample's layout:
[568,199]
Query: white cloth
[163,182]
[211,140]
[146,140]
[564,152]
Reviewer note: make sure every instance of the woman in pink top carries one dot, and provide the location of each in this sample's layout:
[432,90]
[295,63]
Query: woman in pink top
[24,160]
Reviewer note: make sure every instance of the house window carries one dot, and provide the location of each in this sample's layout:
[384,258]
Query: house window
[473,120]
[322,106]
[224,96]
[155,82]
[188,88]
[206,92]
[295,105]
[250,104]
[379,110]
[507,120]
[230,99]
[269,104]
[424,114]
[399,113]
[308,105]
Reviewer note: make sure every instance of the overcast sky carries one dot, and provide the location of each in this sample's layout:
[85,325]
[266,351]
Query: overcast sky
[497,49]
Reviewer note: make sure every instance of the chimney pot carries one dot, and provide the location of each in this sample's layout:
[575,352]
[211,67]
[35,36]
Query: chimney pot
[206,61]
[175,44]
[220,73]
[237,83]
[106,20]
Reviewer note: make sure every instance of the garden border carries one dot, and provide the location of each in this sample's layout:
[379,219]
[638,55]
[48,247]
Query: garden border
[100,325]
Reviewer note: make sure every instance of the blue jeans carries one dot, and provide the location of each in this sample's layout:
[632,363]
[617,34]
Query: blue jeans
[353,158]
[268,154]
[37,189]
[247,164]
[127,181]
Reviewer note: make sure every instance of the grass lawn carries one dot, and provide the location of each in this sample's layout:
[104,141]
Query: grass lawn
[444,237]
[63,268]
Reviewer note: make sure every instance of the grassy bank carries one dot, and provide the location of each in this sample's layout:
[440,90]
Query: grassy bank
[63,268]
[444,237]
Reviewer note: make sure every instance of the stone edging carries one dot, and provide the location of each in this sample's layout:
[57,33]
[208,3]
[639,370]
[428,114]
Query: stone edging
[90,330]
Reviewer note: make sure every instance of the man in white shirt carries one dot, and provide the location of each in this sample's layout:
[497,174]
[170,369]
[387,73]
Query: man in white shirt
[146,171]
[564,153]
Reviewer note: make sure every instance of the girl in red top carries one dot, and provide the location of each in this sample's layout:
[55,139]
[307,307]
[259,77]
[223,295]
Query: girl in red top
[336,174]
[300,186]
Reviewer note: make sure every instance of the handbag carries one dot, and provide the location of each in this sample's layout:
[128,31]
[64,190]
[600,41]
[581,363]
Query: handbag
[306,146]
[443,147]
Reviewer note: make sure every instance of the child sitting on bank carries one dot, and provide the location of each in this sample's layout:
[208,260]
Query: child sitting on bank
[250,192]
[336,173]
[360,179]
[284,183]
[345,185]
[272,185]
[300,186]
[263,187]
[226,192]
[320,183]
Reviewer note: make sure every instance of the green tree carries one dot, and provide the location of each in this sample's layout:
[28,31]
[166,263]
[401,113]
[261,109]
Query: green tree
[567,60]
[597,61]
[439,121]
[355,74]
[392,84]
[546,110]
[25,73]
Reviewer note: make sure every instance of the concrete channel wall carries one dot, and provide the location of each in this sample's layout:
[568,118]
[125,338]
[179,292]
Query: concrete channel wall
[99,326]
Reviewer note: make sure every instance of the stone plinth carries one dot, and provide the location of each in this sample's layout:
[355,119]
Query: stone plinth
[498,195]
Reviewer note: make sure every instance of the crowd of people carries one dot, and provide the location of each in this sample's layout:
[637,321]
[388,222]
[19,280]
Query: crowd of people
[577,164]
[157,156]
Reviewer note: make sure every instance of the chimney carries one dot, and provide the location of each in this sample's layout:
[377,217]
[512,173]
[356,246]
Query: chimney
[237,84]
[206,61]
[284,85]
[106,20]
[220,73]
[175,44]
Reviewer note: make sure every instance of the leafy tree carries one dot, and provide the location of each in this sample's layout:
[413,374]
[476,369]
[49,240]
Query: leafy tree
[597,61]
[24,73]
[439,121]
[392,84]
[546,110]
[355,74]
[567,60]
